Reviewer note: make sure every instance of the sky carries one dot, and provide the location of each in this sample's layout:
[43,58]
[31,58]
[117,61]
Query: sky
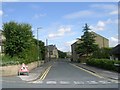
[62,22]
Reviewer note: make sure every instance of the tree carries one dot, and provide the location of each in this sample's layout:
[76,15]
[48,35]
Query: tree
[87,42]
[18,38]
[62,54]
[41,48]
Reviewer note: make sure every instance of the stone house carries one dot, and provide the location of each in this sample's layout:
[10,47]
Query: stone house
[100,40]
[52,52]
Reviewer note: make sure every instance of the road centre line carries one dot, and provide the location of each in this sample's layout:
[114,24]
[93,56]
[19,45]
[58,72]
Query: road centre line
[45,73]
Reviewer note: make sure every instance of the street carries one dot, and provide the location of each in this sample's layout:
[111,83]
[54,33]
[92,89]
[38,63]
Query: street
[61,74]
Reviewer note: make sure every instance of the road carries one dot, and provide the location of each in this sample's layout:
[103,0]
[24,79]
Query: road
[61,74]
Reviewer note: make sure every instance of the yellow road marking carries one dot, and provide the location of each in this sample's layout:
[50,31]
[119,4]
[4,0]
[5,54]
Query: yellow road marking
[115,81]
[87,71]
[45,73]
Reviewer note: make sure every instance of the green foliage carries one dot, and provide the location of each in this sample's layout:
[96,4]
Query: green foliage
[87,45]
[103,63]
[18,38]
[102,53]
[7,60]
[20,45]
[30,55]
[62,54]
[41,48]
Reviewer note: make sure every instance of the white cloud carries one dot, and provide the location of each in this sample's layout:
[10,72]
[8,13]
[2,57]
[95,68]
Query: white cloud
[60,32]
[65,49]
[1,12]
[101,25]
[105,6]
[67,46]
[109,9]
[115,12]
[69,43]
[37,16]
[113,41]
[78,14]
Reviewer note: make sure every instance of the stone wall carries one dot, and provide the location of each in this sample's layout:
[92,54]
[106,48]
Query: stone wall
[13,69]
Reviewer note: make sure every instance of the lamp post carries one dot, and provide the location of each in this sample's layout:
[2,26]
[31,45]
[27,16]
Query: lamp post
[38,43]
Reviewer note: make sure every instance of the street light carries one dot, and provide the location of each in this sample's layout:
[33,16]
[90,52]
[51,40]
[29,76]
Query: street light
[38,43]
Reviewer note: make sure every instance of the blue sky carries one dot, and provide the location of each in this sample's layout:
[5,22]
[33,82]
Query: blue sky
[63,22]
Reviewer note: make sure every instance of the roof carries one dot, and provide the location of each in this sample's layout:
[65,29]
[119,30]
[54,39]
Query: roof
[51,47]
[116,50]
[99,35]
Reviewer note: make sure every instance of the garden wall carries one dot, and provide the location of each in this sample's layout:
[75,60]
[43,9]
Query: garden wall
[13,69]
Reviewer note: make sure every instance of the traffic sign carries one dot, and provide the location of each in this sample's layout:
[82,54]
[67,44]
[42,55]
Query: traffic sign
[23,70]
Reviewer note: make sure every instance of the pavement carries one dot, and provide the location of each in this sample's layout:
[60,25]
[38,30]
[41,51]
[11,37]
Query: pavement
[35,73]
[101,72]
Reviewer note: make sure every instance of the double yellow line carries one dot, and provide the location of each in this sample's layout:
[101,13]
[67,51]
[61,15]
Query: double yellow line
[45,73]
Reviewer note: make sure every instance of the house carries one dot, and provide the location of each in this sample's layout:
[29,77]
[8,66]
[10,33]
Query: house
[100,40]
[115,53]
[2,38]
[52,52]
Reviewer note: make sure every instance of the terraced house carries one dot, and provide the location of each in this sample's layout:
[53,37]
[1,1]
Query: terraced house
[100,40]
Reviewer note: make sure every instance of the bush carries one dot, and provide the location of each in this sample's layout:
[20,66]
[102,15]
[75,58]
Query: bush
[104,64]
[7,60]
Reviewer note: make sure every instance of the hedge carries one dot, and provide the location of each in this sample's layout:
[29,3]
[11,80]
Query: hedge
[104,64]
[7,60]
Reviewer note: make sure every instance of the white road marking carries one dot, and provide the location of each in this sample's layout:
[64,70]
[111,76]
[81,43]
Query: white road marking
[35,82]
[74,82]
[78,82]
[104,82]
[51,82]
[40,82]
[92,82]
[64,82]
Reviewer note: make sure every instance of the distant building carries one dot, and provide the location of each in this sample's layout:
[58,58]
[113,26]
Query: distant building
[68,54]
[2,38]
[100,40]
[52,52]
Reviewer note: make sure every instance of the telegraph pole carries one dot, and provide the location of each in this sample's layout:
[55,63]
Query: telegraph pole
[38,44]
[47,50]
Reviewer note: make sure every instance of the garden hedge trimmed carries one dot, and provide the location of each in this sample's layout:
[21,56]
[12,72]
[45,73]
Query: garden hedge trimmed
[104,64]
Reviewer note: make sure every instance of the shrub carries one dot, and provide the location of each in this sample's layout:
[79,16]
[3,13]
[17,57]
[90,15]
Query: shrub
[7,60]
[104,64]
